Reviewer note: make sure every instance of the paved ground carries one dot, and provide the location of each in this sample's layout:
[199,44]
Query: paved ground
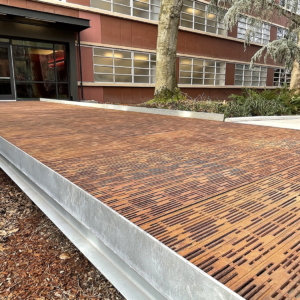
[224,196]
[287,123]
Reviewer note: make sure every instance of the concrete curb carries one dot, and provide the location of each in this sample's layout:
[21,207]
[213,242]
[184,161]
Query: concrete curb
[156,111]
[261,118]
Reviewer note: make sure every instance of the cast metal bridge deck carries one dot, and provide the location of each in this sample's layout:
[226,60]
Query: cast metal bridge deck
[223,196]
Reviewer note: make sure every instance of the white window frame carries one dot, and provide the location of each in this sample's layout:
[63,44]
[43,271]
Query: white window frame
[281,32]
[284,77]
[219,25]
[263,33]
[244,68]
[287,4]
[151,69]
[203,73]
[152,12]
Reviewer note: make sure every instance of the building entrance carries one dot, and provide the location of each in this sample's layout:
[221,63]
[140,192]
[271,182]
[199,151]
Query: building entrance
[33,69]
[7,91]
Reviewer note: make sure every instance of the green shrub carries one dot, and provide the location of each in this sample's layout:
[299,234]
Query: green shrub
[281,101]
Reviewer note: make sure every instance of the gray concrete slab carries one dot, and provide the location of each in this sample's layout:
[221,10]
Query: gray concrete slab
[288,122]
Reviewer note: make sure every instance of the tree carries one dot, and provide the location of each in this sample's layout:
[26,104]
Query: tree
[167,45]
[284,51]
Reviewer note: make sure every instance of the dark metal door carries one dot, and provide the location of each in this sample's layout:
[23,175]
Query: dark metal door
[6,74]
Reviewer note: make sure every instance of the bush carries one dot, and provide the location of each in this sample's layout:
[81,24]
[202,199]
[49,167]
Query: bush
[181,101]
[281,101]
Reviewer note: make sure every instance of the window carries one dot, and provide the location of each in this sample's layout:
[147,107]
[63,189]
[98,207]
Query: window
[292,5]
[258,35]
[195,15]
[246,77]
[124,66]
[281,77]
[41,69]
[146,9]
[281,32]
[201,72]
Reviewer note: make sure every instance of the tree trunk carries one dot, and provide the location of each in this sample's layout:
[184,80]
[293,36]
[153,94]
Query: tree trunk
[167,45]
[295,77]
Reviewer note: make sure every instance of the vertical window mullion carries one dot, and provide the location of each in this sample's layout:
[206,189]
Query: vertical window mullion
[194,7]
[192,72]
[132,66]
[204,67]
[114,69]
[149,67]
[131,7]
[215,73]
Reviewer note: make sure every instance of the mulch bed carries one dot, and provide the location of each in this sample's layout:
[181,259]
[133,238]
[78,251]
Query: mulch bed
[36,260]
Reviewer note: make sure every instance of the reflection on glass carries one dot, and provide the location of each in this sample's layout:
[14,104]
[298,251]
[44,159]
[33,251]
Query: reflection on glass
[40,73]
[32,44]
[2,40]
[32,64]
[36,90]
[61,63]
[63,91]
[5,86]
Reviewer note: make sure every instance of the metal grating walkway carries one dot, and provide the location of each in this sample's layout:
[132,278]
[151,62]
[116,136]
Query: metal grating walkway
[224,196]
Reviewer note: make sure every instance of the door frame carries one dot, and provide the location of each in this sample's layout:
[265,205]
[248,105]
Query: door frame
[12,96]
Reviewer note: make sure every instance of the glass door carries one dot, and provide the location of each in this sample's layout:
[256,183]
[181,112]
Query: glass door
[6,74]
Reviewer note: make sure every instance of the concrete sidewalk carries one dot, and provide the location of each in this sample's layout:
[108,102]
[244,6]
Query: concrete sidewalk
[289,122]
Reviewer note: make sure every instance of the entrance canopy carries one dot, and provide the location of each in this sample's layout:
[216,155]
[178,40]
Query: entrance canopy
[33,17]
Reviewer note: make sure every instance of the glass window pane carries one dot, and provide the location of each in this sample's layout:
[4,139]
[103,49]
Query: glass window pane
[122,70]
[100,69]
[121,9]
[36,90]
[187,24]
[141,64]
[5,86]
[61,63]
[103,52]
[185,67]
[141,79]
[122,54]
[63,91]
[141,5]
[103,78]
[185,74]
[33,64]
[220,82]
[122,62]
[141,71]
[210,69]
[123,78]
[103,61]
[141,56]
[185,61]
[185,81]
[209,81]
[2,40]
[197,81]
[32,44]
[101,4]
[141,13]
[124,2]
[198,68]
[199,27]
